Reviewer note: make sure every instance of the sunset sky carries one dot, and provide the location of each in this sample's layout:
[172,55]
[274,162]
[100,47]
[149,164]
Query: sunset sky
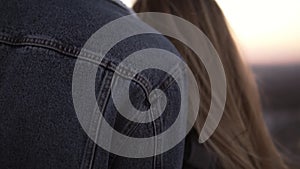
[267,31]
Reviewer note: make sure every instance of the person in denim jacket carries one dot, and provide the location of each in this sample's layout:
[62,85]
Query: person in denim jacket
[40,42]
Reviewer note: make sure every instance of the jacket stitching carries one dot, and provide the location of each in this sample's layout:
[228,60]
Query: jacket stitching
[75,52]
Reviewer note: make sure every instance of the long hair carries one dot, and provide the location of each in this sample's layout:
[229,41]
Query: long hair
[242,140]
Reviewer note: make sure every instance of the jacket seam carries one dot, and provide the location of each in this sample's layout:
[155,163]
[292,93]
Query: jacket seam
[74,52]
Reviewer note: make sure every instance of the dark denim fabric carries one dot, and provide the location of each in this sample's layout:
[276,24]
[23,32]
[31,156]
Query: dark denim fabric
[198,156]
[39,129]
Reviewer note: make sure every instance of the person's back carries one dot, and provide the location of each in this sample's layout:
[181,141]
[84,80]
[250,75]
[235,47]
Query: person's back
[39,44]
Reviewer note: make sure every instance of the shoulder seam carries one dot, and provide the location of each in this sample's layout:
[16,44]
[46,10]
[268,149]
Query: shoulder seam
[74,52]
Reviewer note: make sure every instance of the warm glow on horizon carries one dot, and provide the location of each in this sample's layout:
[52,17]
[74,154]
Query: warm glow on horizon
[129,3]
[268,31]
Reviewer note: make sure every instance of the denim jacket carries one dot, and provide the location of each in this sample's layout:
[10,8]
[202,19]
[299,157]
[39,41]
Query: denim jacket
[39,44]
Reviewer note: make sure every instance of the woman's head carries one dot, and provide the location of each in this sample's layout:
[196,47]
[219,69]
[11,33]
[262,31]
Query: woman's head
[241,140]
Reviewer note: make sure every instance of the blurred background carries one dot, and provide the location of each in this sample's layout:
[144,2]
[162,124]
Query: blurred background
[268,35]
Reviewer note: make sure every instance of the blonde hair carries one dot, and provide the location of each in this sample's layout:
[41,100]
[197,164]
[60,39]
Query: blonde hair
[242,140]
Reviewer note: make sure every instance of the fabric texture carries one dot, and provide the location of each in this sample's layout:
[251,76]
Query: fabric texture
[39,45]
